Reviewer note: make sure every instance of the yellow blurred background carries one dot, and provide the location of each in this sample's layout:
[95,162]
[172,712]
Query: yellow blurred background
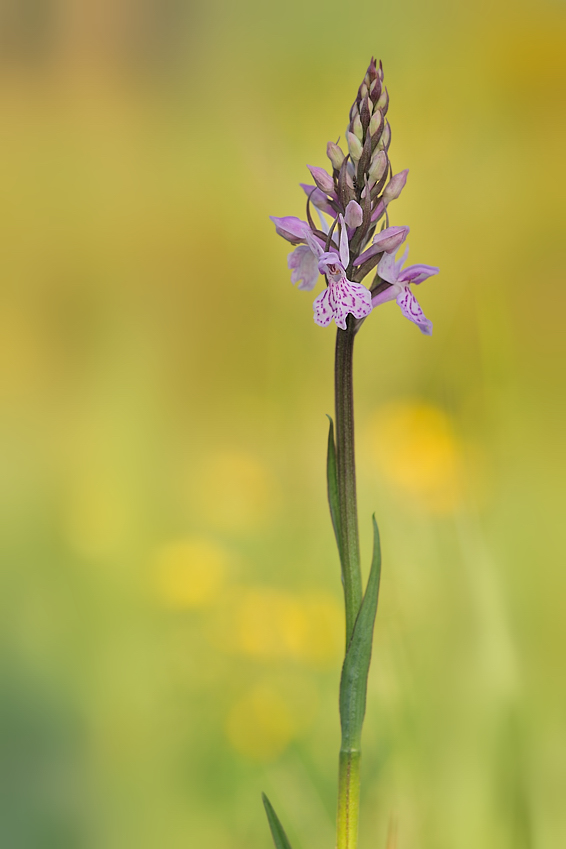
[170,594]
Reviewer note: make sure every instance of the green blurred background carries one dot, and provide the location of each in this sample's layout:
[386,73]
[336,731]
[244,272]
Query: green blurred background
[170,595]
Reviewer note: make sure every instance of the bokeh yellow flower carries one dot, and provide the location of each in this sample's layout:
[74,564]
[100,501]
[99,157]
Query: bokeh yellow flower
[268,624]
[189,573]
[263,722]
[414,446]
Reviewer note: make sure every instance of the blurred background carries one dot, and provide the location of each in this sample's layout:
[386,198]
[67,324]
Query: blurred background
[171,609]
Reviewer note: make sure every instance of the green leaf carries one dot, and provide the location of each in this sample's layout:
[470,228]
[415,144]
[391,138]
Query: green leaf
[332,481]
[277,831]
[353,683]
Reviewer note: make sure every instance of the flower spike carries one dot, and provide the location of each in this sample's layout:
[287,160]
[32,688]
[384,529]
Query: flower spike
[350,201]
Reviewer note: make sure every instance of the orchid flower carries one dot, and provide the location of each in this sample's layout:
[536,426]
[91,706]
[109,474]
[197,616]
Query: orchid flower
[303,262]
[341,296]
[390,271]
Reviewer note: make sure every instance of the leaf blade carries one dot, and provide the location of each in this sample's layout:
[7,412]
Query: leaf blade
[353,681]
[332,486]
[280,839]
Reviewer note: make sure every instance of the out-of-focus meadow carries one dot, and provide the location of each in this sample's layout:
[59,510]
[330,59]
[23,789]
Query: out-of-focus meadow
[170,596]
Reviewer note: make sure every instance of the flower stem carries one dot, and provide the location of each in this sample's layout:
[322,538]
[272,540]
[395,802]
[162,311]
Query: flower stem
[349,767]
[348,799]
[346,474]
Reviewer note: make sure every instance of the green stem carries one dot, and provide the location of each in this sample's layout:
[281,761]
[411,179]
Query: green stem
[348,800]
[349,768]
[346,473]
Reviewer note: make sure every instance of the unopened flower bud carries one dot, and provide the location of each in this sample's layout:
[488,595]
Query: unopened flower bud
[378,166]
[371,72]
[357,127]
[375,90]
[375,122]
[364,88]
[353,215]
[387,241]
[334,153]
[322,179]
[390,239]
[395,186]
[354,146]
[365,114]
[383,101]
[385,140]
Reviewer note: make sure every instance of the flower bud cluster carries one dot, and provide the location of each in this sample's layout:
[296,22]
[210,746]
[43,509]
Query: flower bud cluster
[364,170]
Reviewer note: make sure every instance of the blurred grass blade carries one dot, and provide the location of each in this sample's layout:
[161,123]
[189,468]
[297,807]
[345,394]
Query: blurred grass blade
[353,683]
[277,831]
[332,482]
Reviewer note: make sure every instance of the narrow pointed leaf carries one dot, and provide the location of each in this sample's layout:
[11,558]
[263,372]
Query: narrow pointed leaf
[353,683]
[277,831]
[332,481]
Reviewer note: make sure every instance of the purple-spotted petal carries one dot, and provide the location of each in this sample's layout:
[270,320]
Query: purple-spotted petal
[339,300]
[304,267]
[349,297]
[417,273]
[323,313]
[291,228]
[411,309]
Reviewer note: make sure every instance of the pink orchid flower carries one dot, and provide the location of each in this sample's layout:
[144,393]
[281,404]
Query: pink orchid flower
[302,261]
[390,270]
[341,297]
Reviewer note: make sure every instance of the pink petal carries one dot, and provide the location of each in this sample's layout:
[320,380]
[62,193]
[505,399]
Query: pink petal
[391,238]
[387,268]
[329,264]
[378,212]
[388,294]
[395,186]
[314,243]
[344,248]
[322,179]
[353,215]
[387,241]
[291,228]
[411,309]
[417,273]
[304,265]
[319,199]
